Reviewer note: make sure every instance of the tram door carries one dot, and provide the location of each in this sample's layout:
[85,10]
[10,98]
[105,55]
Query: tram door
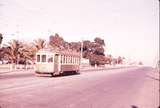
[56,62]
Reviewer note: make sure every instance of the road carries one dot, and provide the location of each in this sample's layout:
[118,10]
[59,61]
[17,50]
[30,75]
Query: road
[119,88]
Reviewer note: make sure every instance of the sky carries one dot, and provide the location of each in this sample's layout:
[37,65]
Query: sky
[130,28]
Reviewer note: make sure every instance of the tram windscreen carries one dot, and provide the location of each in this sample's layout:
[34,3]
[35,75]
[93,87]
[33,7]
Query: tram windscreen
[43,58]
[50,58]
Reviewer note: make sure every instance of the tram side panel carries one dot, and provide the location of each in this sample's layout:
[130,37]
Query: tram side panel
[69,63]
[69,67]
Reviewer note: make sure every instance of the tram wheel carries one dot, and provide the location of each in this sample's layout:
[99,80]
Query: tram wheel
[52,74]
[77,72]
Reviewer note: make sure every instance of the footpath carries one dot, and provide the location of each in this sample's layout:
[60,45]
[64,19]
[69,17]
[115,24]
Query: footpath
[82,69]
[91,68]
[150,92]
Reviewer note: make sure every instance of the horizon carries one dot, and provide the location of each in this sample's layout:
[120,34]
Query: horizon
[129,28]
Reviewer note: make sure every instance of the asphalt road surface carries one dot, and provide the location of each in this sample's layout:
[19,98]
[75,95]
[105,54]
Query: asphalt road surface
[118,88]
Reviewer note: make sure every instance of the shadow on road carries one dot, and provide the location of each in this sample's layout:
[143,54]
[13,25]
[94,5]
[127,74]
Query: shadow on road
[64,74]
[133,106]
[67,74]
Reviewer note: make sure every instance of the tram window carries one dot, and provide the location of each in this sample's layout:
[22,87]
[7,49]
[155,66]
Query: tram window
[61,58]
[50,58]
[74,60]
[67,60]
[38,58]
[71,59]
[43,58]
[64,59]
[77,60]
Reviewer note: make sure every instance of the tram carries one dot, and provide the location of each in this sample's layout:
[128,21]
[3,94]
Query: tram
[54,62]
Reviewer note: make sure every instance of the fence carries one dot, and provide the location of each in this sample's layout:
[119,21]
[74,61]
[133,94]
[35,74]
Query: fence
[12,67]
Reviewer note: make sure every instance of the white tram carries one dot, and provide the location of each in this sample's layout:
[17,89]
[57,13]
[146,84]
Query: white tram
[53,62]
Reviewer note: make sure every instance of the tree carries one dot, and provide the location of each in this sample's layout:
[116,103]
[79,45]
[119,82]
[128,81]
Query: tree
[99,51]
[27,52]
[18,52]
[39,44]
[99,41]
[91,50]
[140,63]
[109,59]
[97,59]
[2,55]
[13,51]
[120,60]
[56,41]
[75,46]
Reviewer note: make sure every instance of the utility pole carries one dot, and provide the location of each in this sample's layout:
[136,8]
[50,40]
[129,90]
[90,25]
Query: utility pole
[81,52]
[1,38]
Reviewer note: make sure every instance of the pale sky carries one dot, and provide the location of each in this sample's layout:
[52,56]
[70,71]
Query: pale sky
[130,28]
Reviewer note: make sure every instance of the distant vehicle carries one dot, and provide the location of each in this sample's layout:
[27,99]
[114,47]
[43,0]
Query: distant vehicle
[54,62]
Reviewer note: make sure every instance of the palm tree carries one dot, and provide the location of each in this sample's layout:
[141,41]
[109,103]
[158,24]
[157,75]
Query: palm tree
[16,52]
[13,51]
[39,44]
[27,52]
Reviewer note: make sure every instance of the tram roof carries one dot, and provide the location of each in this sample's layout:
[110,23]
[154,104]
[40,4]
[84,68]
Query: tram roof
[65,52]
